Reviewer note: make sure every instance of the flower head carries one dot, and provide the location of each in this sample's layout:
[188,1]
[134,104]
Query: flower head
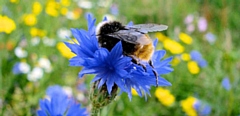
[187,106]
[112,67]
[59,104]
[195,107]
[21,68]
[30,19]
[173,46]
[36,74]
[210,37]
[202,108]
[7,25]
[193,67]
[197,57]
[185,38]
[189,19]
[164,96]
[20,52]
[36,8]
[226,83]
[202,24]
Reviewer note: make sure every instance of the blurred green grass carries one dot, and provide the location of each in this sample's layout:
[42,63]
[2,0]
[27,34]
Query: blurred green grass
[20,96]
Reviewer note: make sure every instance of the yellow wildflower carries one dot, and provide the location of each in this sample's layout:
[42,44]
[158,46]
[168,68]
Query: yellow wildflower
[37,32]
[134,92]
[52,8]
[65,3]
[36,8]
[193,67]
[173,46]
[187,106]
[185,57]
[64,11]
[77,13]
[64,50]
[14,1]
[164,96]
[7,25]
[175,61]
[161,37]
[185,38]
[30,19]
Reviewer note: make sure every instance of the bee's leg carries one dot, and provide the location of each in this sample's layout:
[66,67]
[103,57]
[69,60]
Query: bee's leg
[136,61]
[154,71]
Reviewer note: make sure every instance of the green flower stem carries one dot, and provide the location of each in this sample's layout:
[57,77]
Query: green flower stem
[100,97]
[95,111]
[229,61]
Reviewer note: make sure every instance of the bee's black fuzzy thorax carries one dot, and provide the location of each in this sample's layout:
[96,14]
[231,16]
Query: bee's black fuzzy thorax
[110,27]
[109,42]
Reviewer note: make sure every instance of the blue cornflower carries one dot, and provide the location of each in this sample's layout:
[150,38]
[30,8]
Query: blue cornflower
[226,83]
[59,104]
[202,108]
[114,9]
[210,37]
[197,56]
[21,68]
[112,67]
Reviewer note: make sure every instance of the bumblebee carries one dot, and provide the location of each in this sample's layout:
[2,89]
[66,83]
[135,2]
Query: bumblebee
[135,41]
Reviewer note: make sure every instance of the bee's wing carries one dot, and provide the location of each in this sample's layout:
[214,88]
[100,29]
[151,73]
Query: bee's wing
[131,36]
[145,28]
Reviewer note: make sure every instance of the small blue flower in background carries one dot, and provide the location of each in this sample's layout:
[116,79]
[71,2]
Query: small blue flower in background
[114,9]
[21,68]
[226,83]
[211,38]
[112,67]
[59,104]
[202,108]
[197,56]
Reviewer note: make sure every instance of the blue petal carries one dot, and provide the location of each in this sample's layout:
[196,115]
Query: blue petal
[101,54]
[73,47]
[163,82]
[41,113]
[96,78]
[104,18]
[86,71]
[158,55]
[155,42]
[76,61]
[75,33]
[75,110]
[110,83]
[54,90]
[122,62]
[122,73]
[164,62]
[91,22]
[195,55]
[116,51]
[164,70]
[102,82]
[226,83]
[130,23]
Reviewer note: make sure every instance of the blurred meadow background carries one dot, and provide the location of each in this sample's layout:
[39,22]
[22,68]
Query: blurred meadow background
[203,38]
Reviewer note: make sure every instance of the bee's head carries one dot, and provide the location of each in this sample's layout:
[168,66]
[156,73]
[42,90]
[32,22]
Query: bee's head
[107,27]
